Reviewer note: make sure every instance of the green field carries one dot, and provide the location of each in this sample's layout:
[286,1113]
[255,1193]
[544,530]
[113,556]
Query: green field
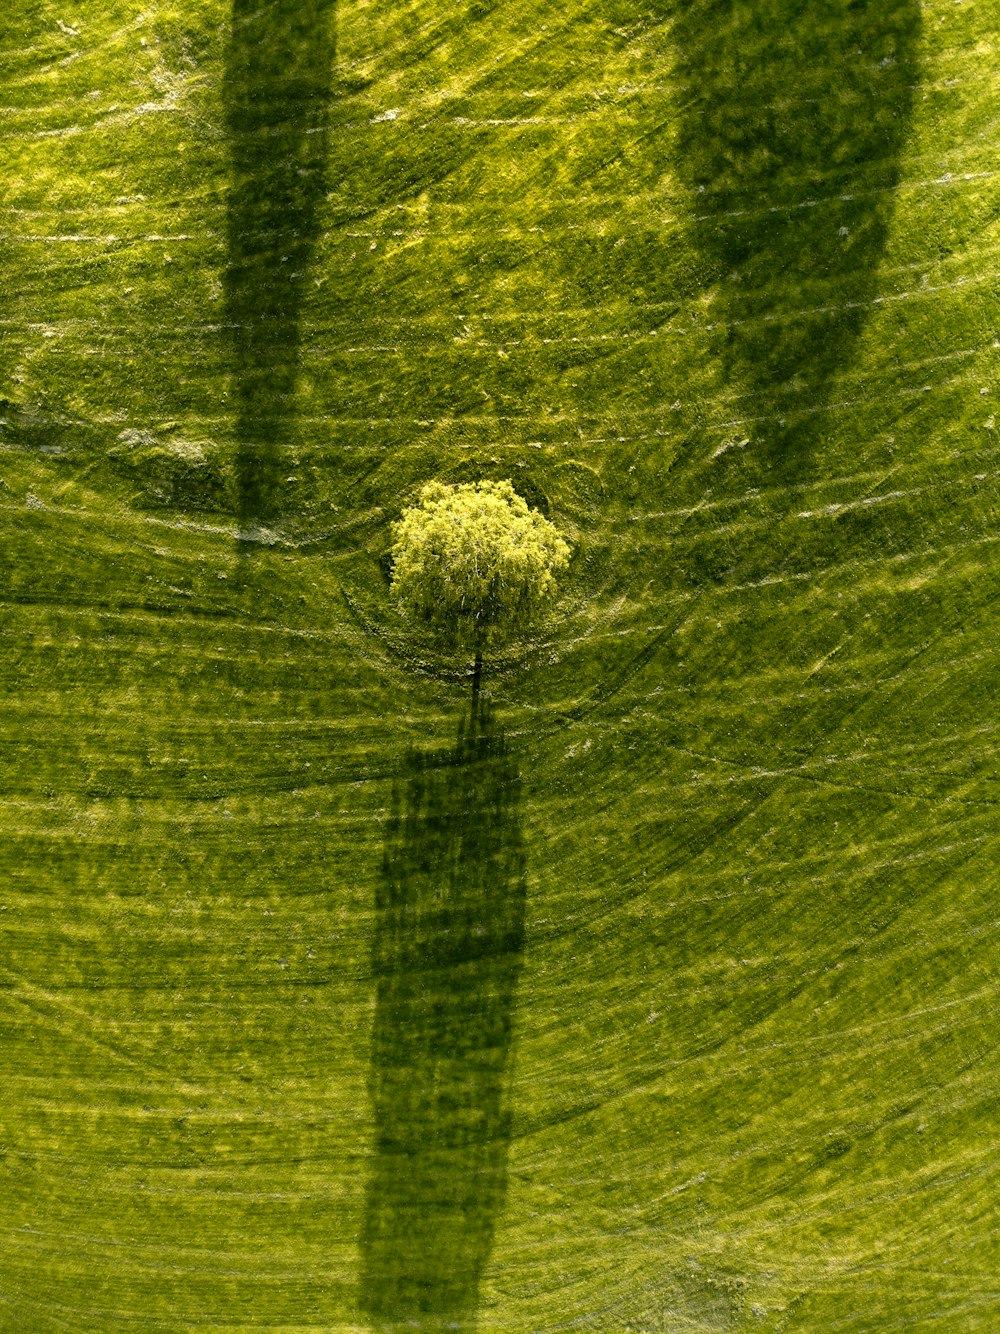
[662,996]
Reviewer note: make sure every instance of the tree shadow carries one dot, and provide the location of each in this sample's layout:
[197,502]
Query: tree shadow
[277,91]
[793,117]
[449,941]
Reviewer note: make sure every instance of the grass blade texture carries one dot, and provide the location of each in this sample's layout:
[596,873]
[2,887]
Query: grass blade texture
[659,992]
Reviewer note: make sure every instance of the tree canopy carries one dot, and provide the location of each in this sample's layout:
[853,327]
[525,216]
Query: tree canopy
[472,560]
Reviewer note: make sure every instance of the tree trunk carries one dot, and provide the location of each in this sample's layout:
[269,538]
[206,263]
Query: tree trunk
[477,674]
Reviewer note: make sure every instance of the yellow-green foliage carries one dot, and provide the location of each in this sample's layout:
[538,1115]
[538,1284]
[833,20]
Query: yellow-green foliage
[471,559]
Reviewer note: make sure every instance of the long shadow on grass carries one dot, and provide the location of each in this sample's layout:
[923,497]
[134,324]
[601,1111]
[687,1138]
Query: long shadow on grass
[449,938]
[794,114]
[277,93]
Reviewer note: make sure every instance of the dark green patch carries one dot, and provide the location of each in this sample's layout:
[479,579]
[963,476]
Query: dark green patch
[277,88]
[793,118]
[449,938]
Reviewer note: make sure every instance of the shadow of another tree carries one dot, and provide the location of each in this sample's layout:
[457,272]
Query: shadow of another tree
[277,90]
[449,939]
[793,116]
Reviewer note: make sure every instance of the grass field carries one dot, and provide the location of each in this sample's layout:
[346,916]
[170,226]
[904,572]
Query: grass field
[662,996]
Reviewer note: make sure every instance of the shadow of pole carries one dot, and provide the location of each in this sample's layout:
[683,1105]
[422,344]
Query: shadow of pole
[277,91]
[449,940]
[793,117]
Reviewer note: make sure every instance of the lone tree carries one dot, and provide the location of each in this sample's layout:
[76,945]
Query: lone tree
[473,563]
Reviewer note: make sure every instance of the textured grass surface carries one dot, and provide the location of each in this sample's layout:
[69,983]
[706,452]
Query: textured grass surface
[716,285]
